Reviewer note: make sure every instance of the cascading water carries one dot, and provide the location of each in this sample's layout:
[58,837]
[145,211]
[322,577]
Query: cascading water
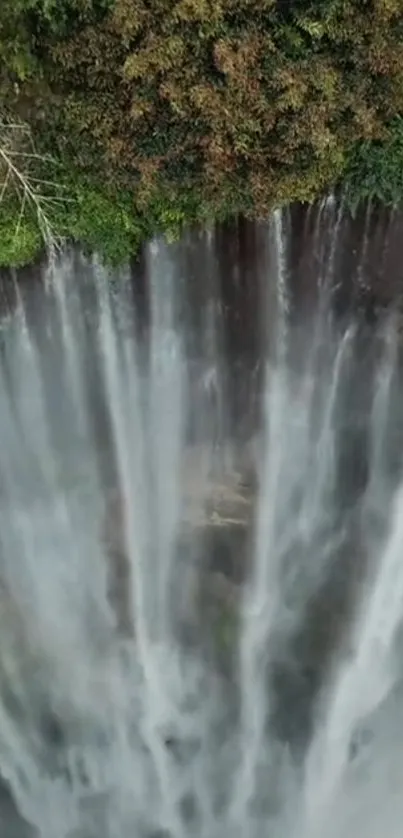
[150,684]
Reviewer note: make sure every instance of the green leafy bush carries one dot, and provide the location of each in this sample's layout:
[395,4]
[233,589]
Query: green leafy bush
[375,169]
[104,223]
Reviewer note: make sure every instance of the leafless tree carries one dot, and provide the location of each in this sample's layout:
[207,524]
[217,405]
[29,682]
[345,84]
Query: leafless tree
[21,173]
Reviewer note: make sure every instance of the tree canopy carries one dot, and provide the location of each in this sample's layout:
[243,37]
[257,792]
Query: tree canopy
[164,112]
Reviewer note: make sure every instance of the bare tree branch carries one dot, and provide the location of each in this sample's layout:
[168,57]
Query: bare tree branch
[20,166]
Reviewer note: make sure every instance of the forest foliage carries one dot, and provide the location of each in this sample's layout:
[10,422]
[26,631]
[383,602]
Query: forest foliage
[160,113]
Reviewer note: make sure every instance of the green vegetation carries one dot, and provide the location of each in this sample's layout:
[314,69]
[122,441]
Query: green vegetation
[160,113]
[375,169]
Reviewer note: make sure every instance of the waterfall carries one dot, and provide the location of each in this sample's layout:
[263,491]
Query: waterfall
[191,643]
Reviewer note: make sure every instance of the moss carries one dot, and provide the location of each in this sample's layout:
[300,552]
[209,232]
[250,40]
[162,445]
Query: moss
[227,629]
[20,241]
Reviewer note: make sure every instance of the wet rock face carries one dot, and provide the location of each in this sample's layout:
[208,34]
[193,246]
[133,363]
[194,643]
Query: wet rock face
[215,554]
[213,558]
[225,548]
[119,582]
[304,659]
[12,824]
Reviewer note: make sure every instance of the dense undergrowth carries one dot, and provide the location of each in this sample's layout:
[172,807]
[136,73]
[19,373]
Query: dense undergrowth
[150,114]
